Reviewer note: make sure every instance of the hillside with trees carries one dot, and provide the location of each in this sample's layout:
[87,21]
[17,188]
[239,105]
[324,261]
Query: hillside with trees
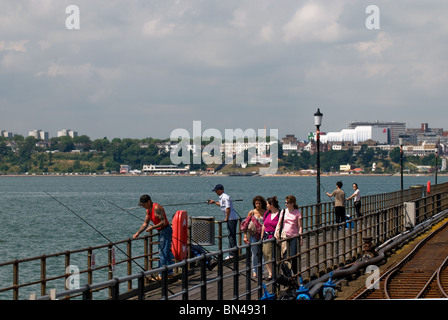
[20,155]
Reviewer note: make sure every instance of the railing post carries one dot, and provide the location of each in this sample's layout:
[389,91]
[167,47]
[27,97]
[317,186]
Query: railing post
[110,273]
[89,266]
[141,286]
[248,271]
[220,276]
[43,273]
[260,268]
[129,263]
[185,281]
[220,235]
[203,278]
[15,280]
[67,264]
[116,289]
[236,270]
[165,283]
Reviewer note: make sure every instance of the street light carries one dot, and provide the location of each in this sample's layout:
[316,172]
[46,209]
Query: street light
[318,121]
[400,139]
[437,155]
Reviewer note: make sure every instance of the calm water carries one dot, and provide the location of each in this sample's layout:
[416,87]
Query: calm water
[32,223]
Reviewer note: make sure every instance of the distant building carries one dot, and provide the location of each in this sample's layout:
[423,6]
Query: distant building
[358,135]
[395,128]
[424,134]
[6,134]
[164,169]
[67,133]
[289,144]
[124,168]
[39,134]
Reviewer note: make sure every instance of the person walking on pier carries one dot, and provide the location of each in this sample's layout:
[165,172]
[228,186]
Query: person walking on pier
[339,202]
[156,214]
[356,199]
[231,216]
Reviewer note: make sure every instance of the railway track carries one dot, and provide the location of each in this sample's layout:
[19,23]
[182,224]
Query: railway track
[423,273]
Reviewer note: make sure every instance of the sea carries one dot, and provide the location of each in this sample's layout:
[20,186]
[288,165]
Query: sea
[49,214]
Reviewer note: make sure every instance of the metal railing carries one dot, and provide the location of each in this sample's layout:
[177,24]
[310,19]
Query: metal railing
[324,246]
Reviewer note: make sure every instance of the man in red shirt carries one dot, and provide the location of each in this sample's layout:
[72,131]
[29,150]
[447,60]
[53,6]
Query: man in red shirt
[156,214]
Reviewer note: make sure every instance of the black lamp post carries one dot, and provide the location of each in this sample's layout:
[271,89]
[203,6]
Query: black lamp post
[318,121]
[401,160]
[437,155]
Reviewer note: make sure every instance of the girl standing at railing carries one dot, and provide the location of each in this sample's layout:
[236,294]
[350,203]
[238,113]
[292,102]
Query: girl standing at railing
[270,220]
[290,225]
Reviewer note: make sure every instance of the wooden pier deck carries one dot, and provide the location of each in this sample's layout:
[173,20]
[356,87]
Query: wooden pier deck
[209,288]
[320,252]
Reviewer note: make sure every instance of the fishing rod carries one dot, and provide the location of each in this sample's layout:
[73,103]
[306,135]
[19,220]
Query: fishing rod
[184,204]
[325,191]
[167,205]
[99,232]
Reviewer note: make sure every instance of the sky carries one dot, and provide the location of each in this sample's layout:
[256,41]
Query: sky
[143,68]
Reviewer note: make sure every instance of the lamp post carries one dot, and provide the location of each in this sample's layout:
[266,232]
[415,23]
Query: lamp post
[437,155]
[318,121]
[401,160]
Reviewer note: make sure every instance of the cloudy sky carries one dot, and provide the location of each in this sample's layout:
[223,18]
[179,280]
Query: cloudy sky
[142,68]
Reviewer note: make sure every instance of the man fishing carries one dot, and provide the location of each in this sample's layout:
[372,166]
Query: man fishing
[231,216]
[156,214]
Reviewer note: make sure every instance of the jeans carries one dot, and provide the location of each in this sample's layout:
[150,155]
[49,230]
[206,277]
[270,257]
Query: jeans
[165,255]
[255,258]
[292,243]
[231,229]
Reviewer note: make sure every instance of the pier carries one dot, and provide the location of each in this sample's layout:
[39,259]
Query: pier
[126,270]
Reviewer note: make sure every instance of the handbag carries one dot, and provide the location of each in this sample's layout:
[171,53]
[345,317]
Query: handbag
[280,234]
[245,223]
[254,228]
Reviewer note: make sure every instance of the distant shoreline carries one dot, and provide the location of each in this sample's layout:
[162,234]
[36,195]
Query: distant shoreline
[221,175]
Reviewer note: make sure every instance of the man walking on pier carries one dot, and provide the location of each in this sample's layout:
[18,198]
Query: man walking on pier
[339,202]
[231,216]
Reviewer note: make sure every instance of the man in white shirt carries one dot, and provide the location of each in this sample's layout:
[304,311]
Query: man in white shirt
[231,216]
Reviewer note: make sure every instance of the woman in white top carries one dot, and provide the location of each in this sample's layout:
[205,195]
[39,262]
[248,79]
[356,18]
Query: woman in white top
[357,199]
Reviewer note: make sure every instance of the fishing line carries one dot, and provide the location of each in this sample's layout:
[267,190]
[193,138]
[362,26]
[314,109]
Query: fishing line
[325,191]
[99,232]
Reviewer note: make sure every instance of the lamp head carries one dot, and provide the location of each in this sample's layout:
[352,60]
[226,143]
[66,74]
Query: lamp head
[318,118]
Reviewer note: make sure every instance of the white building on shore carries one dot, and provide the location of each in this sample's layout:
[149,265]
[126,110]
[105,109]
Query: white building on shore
[358,135]
[164,169]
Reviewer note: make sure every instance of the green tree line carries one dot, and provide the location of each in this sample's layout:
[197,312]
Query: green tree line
[20,155]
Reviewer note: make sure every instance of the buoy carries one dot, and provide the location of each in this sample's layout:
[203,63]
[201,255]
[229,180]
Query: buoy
[428,187]
[180,235]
